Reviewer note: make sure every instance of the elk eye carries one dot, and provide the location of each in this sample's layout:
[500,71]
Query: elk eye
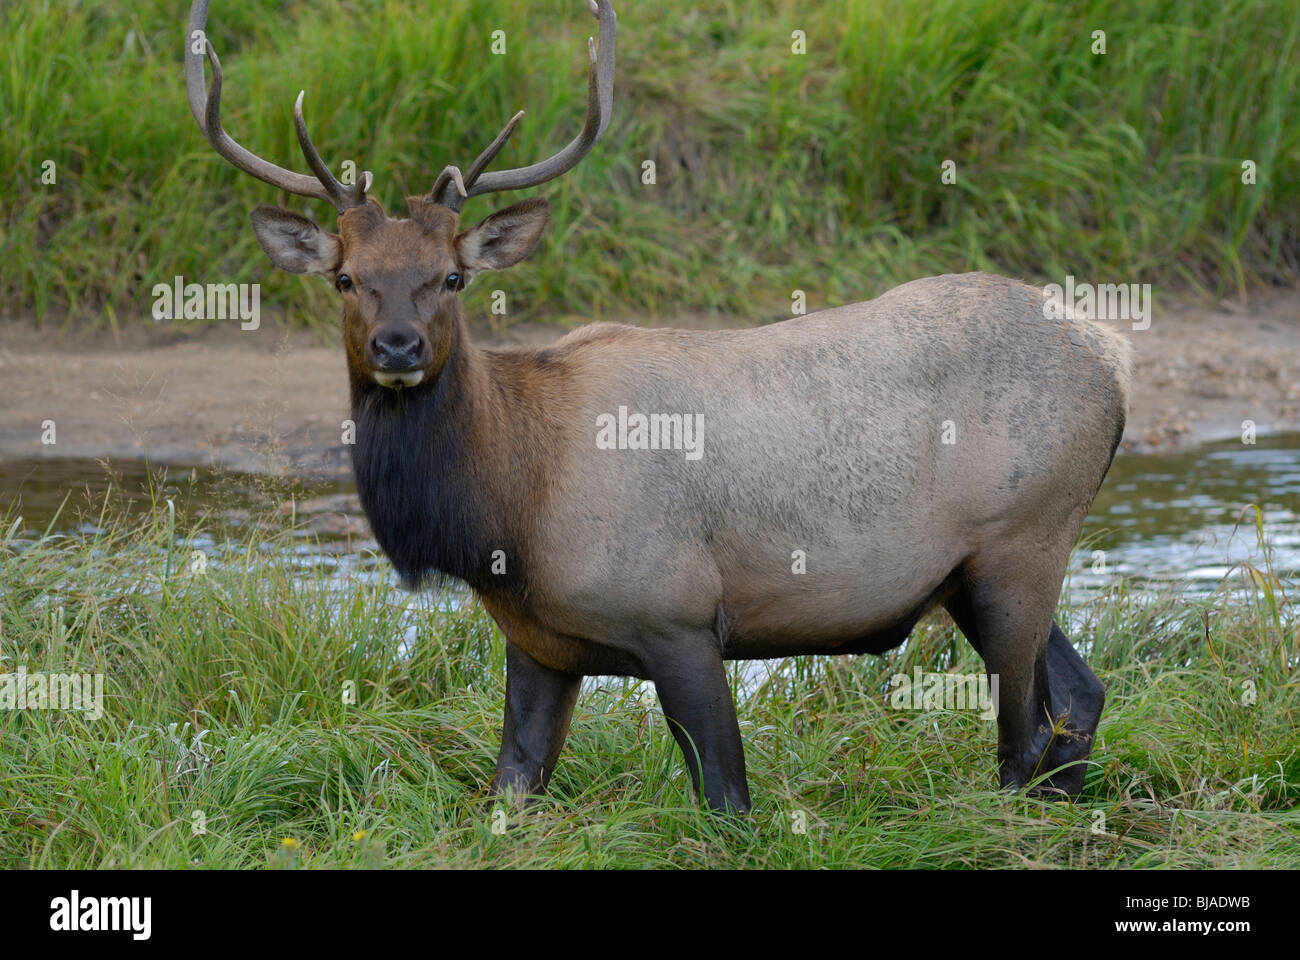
[453,281]
[344,283]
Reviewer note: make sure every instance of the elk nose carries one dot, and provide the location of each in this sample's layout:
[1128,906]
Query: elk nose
[397,349]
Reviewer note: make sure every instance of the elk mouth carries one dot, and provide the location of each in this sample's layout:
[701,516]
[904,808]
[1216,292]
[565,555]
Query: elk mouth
[395,381]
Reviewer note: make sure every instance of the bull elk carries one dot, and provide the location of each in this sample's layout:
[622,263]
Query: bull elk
[819,437]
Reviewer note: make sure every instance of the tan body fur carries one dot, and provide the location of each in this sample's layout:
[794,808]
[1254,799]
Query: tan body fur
[821,434]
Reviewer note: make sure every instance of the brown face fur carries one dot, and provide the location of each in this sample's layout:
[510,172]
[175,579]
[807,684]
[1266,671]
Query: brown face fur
[399,272]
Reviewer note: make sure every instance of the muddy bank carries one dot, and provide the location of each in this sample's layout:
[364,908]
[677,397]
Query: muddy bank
[273,401]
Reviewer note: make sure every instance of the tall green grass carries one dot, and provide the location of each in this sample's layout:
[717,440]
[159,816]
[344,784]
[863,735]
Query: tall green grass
[226,740]
[775,171]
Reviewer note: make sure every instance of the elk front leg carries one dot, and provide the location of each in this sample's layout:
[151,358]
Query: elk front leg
[696,699]
[539,706]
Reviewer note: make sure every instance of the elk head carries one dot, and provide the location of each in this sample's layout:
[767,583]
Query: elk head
[399,278]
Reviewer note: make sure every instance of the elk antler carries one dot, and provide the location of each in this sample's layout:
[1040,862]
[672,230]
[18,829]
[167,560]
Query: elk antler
[206,106]
[451,189]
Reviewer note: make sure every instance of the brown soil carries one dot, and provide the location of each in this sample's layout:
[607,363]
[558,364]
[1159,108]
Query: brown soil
[274,401]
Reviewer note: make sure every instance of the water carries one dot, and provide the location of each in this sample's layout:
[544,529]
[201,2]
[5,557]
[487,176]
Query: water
[67,495]
[330,541]
[1187,520]
[1162,520]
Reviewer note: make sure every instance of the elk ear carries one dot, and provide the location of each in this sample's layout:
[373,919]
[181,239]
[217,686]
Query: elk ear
[294,243]
[504,238]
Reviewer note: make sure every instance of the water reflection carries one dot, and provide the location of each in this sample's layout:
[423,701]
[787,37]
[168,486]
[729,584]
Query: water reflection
[1187,519]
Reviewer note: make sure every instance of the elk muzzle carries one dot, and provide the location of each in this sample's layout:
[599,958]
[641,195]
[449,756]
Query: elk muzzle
[398,355]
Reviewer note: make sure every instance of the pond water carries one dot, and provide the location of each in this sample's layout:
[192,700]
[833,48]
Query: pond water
[1180,521]
[1186,520]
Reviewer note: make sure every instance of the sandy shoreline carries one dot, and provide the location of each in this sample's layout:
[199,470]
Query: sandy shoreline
[273,401]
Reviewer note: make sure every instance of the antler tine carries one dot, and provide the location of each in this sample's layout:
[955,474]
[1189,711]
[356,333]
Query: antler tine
[490,152]
[442,192]
[450,175]
[600,105]
[205,105]
[342,196]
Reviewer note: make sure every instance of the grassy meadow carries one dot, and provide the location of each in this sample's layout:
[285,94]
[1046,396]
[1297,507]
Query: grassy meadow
[774,171]
[225,739]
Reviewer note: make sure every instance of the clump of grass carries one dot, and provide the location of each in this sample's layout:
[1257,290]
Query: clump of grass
[774,171]
[258,714]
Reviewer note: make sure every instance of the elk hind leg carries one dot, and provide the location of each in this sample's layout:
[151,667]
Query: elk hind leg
[1049,701]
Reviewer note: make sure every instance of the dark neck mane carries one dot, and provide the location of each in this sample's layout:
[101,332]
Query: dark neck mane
[440,501]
